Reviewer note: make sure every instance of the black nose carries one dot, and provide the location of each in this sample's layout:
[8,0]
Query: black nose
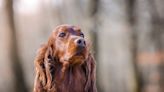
[81,42]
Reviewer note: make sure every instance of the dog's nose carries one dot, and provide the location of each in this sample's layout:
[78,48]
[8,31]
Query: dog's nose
[80,42]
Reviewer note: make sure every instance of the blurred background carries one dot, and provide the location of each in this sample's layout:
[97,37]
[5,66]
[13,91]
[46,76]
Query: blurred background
[127,38]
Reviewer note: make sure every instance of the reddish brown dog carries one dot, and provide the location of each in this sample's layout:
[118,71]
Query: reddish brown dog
[64,63]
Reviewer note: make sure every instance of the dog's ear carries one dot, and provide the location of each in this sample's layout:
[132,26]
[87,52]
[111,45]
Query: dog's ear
[49,62]
[90,70]
[40,79]
[45,69]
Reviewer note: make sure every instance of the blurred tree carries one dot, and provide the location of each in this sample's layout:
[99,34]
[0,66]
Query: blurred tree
[127,38]
[149,29]
[19,82]
[116,69]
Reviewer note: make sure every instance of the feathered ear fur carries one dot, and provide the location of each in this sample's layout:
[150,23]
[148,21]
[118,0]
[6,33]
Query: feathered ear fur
[90,68]
[44,69]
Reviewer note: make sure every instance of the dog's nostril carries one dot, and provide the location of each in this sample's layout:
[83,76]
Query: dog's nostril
[84,43]
[81,42]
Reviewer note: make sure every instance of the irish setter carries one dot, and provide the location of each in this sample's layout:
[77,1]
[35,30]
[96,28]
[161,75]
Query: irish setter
[64,63]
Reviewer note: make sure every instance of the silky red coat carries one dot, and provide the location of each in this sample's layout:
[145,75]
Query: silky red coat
[64,63]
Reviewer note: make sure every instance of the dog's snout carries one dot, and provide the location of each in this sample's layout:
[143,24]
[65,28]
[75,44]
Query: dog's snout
[80,42]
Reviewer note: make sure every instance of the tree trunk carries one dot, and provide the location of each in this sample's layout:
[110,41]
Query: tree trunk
[115,57]
[19,83]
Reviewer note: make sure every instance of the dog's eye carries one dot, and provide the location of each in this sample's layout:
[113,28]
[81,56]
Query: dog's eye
[62,34]
[82,35]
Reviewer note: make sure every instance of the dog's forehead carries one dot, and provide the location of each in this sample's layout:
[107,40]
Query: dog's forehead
[73,30]
[67,28]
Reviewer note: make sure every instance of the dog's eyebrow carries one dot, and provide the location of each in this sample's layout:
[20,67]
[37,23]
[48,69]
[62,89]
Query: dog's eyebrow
[72,31]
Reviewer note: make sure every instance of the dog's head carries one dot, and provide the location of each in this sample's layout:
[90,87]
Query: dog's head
[68,44]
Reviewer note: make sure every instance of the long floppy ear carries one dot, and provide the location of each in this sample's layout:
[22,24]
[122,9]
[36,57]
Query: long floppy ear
[44,69]
[40,78]
[90,69]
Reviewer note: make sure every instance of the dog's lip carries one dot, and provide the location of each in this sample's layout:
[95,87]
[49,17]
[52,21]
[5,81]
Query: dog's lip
[76,55]
[80,51]
[77,59]
[79,54]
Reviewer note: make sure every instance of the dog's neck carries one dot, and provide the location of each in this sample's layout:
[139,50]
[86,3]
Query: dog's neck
[74,75]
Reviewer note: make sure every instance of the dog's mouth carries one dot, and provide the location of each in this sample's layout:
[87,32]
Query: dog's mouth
[77,57]
[79,53]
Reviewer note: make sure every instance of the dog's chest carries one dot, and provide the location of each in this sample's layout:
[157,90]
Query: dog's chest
[74,80]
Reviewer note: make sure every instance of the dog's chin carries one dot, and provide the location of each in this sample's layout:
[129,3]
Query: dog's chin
[76,59]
